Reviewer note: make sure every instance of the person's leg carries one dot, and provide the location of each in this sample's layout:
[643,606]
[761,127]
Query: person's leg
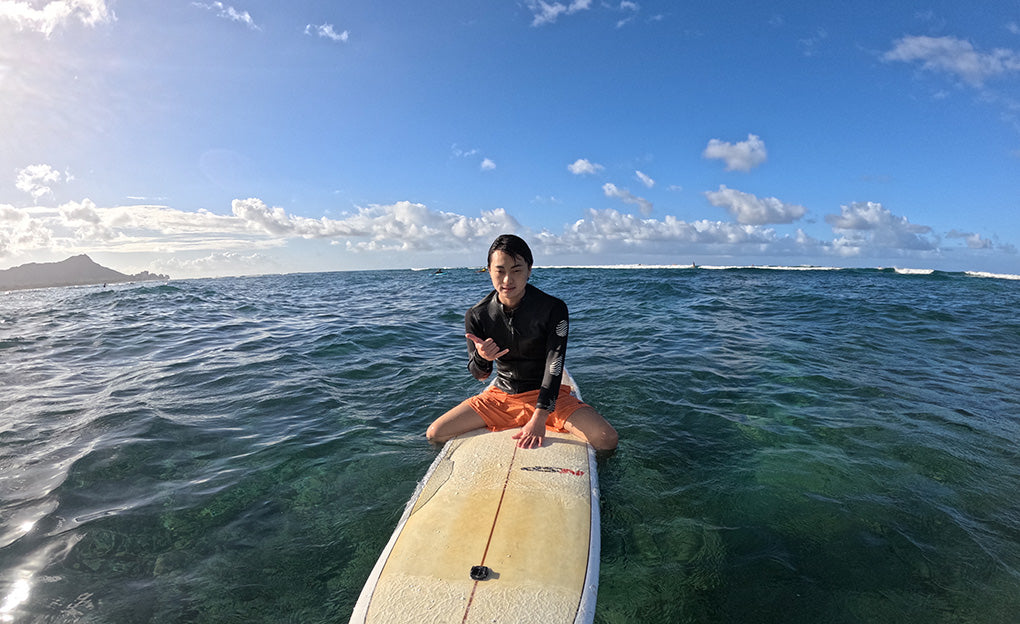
[590,426]
[460,419]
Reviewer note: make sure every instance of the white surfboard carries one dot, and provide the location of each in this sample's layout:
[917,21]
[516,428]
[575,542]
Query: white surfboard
[494,533]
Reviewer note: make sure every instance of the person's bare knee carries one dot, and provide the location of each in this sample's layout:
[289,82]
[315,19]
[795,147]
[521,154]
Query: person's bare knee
[436,433]
[606,439]
[431,434]
[603,437]
[453,423]
[593,428]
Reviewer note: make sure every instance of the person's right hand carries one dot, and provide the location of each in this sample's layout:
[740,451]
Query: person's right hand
[487,348]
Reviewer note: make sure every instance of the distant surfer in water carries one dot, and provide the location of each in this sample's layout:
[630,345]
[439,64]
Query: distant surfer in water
[524,331]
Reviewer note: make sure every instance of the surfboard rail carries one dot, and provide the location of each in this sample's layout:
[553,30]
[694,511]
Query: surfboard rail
[589,595]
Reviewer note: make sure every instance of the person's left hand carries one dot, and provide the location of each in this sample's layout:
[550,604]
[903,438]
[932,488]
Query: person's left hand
[532,434]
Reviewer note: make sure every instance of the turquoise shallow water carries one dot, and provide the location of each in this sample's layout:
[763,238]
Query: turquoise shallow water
[796,446]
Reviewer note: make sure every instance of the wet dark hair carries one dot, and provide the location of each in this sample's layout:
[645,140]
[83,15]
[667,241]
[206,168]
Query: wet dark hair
[513,245]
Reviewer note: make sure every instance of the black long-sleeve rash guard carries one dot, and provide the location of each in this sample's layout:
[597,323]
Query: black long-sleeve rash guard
[536,334]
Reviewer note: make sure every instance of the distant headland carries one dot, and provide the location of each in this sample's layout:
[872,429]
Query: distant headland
[75,271]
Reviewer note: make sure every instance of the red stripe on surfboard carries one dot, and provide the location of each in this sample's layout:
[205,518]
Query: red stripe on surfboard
[492,530]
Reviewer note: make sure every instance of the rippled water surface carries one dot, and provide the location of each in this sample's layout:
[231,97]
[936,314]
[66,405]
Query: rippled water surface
[796,446]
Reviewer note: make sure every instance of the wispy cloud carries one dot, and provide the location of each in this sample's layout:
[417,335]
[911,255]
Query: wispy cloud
[460,152]
[611,190]
[628,7]
[955,57]
[583,166]
[809,45]
[549,12]
[645,179]
[229,13]
[742,156]
[487,164]
[748,209]
[328,32]
[54,13]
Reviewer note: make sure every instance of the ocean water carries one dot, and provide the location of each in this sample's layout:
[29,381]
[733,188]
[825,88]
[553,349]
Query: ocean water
[795,446]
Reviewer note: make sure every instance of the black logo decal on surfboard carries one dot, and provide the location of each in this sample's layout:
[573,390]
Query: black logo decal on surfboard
[576,473]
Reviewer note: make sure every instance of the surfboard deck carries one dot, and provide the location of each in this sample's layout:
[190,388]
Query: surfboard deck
[523,522]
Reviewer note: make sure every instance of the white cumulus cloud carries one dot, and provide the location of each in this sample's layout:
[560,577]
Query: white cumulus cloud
[37,180]
[869,224]
[259,217]
[246,237]
[10,214]
[44,16]
[84,211]
[954,56]
[413,226]
[88,225]
[753,210]
[741,156]
[19,231]
[83,226]
[583,166]
[610,232]
[488,164]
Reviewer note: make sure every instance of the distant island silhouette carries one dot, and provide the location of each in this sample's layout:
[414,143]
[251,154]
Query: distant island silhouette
[75,271]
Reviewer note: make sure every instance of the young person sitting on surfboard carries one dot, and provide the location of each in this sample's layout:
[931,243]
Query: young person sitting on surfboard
[524,331]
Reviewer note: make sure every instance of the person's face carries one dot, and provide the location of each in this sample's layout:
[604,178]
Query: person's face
[509,276]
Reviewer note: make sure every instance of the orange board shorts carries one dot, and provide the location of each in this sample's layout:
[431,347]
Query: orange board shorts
[502,411]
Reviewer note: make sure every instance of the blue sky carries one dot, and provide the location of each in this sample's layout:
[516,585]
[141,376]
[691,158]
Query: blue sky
[241,137]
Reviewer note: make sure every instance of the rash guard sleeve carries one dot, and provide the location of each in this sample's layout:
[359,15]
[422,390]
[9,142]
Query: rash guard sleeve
[479,367]
[556,353]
